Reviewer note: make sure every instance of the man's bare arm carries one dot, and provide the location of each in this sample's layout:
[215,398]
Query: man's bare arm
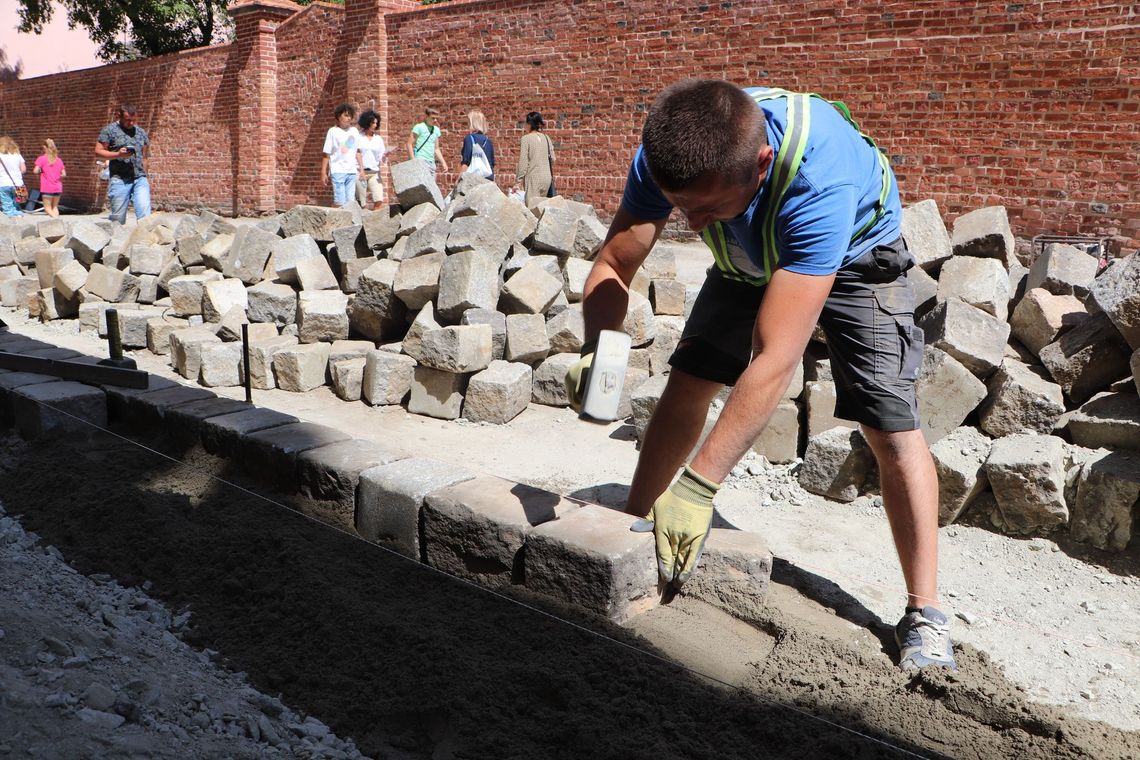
[788,314]
[606,294]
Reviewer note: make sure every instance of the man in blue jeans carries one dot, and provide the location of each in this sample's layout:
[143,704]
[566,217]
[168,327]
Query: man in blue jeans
[122,143]
[802,214]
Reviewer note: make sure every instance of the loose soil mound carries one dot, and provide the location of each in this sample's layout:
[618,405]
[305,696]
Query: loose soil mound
[389,652]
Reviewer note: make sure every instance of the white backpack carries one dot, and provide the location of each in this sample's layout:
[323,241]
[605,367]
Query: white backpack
[479,165]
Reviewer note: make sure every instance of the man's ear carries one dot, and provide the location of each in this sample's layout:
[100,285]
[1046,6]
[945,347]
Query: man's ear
[764,159]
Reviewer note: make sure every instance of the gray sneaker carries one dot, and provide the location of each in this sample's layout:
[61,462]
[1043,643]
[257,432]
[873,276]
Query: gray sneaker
[924,639]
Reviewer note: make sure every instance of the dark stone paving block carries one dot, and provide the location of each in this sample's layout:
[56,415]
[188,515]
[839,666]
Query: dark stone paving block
[185,420]
[271,455]
[9,382]
[221,436]
[54,410]
[332,472]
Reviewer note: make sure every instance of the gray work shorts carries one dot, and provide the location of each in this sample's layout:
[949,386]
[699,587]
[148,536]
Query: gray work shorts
[874,346]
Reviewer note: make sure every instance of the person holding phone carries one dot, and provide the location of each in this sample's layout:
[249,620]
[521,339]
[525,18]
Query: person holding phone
[122,143]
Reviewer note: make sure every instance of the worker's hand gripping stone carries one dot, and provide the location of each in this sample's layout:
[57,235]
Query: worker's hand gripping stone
[594,382]
[680,520]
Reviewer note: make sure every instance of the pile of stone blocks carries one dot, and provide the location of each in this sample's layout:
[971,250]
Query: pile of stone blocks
[1027,388]
[468,306]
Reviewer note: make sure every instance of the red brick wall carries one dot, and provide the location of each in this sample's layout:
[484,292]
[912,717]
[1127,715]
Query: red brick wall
[1034,105]
[182,104]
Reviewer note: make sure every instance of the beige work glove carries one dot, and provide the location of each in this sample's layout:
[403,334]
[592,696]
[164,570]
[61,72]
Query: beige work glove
[680,520]
[575,379]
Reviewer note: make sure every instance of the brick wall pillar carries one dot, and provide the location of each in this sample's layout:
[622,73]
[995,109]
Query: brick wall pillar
[255,123]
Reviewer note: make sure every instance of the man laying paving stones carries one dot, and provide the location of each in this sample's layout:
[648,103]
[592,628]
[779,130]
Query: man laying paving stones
[802,214]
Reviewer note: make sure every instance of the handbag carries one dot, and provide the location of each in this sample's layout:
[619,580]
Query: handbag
[479,165]
[21,190]
[551,191]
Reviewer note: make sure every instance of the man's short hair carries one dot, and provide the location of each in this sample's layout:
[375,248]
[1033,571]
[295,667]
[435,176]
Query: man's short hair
[126,108]
[431,112]
[702,127]
[342,109]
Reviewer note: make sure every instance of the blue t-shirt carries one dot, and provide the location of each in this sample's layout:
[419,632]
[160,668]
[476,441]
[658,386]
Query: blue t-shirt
[833,195]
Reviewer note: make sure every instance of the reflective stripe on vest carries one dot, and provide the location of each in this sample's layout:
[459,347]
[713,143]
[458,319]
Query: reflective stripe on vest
[785,167]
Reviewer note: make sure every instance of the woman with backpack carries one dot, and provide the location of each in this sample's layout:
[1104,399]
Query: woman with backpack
[536,162]
[478,150]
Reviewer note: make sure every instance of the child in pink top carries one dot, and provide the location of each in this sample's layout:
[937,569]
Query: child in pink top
[50,168]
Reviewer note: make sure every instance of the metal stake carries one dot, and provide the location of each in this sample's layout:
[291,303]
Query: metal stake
[245,362]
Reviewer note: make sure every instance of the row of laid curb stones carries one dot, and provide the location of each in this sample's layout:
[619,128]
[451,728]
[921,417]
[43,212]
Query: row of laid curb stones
[479,528]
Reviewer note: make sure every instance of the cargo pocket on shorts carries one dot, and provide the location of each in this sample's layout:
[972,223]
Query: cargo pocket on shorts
[898,340]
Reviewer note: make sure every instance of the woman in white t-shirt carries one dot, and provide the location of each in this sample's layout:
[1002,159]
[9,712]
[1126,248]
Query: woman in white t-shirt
[12,168]
[340,161]
[372,154]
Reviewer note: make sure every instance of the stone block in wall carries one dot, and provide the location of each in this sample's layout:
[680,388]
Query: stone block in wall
[48,261]
[387,377]
[417,280]
[270,455]
[1027,476]
[1021,398]
[457,349]
[381,227]
[779,441]
[499,393]
[526,338]
[926,235]
[87,241]
[223,435]
[414,184]
[376,313]
[838,464]
[316,221]
[58,410]
[667,297]
[1085,359]
[530,291]
[556,231]
[111,284]
[1117,293]
[158,332]
[974,337]
[1108,419]
[272,302]
[947,393]
[418,217]
[467,280]
[983,283]
[592,560]
[1108,489]
[1063,270]
[186,350]
[425,321]
[220,296]
[390,497]
[221,365]
[567,331]
[549,383]
[1040,317]
[186,292]
[347,377]
[959,460]
[735,572]
[478,233]
[498,323]
[332,472]
[476,529]
[437,393]
[301,368]
[985,233]
[261,354]
[322,315]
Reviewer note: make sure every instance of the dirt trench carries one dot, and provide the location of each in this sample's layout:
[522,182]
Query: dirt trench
[382,648]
